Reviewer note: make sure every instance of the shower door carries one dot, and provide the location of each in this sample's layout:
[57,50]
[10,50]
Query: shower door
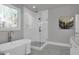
[44,25]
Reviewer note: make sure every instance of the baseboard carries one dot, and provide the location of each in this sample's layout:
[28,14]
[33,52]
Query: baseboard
[39,48]
[58,44]
[51,43]
[36,48]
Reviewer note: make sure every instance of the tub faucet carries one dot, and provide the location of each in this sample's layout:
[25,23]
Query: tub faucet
[10,36]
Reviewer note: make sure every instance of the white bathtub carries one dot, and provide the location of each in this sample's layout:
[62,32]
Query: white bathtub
[18,47]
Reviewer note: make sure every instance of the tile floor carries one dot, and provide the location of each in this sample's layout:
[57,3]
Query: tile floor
[52,50]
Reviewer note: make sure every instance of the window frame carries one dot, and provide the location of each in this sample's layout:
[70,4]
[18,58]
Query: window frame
[18,19]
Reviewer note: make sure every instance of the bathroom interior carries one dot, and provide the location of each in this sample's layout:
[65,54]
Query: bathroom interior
[39,29]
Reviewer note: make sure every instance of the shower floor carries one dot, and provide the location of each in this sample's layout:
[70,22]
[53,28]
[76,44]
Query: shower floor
[37,44]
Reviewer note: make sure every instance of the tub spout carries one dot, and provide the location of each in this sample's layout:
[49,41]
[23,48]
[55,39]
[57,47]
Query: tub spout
[9,36]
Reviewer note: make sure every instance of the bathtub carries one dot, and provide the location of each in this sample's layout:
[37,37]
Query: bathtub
[18,47]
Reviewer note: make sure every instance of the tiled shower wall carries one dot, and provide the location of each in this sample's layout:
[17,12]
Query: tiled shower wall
[31,25]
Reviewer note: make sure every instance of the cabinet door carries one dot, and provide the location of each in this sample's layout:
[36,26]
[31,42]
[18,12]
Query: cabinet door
[77,23]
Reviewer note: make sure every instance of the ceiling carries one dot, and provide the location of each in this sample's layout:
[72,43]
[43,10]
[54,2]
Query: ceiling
[40,7]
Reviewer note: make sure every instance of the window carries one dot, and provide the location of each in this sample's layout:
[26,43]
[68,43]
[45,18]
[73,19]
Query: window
[9,17]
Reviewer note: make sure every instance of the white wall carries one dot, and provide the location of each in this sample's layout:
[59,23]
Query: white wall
[55,33]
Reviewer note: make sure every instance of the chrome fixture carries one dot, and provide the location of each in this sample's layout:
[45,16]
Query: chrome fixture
[10,36]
